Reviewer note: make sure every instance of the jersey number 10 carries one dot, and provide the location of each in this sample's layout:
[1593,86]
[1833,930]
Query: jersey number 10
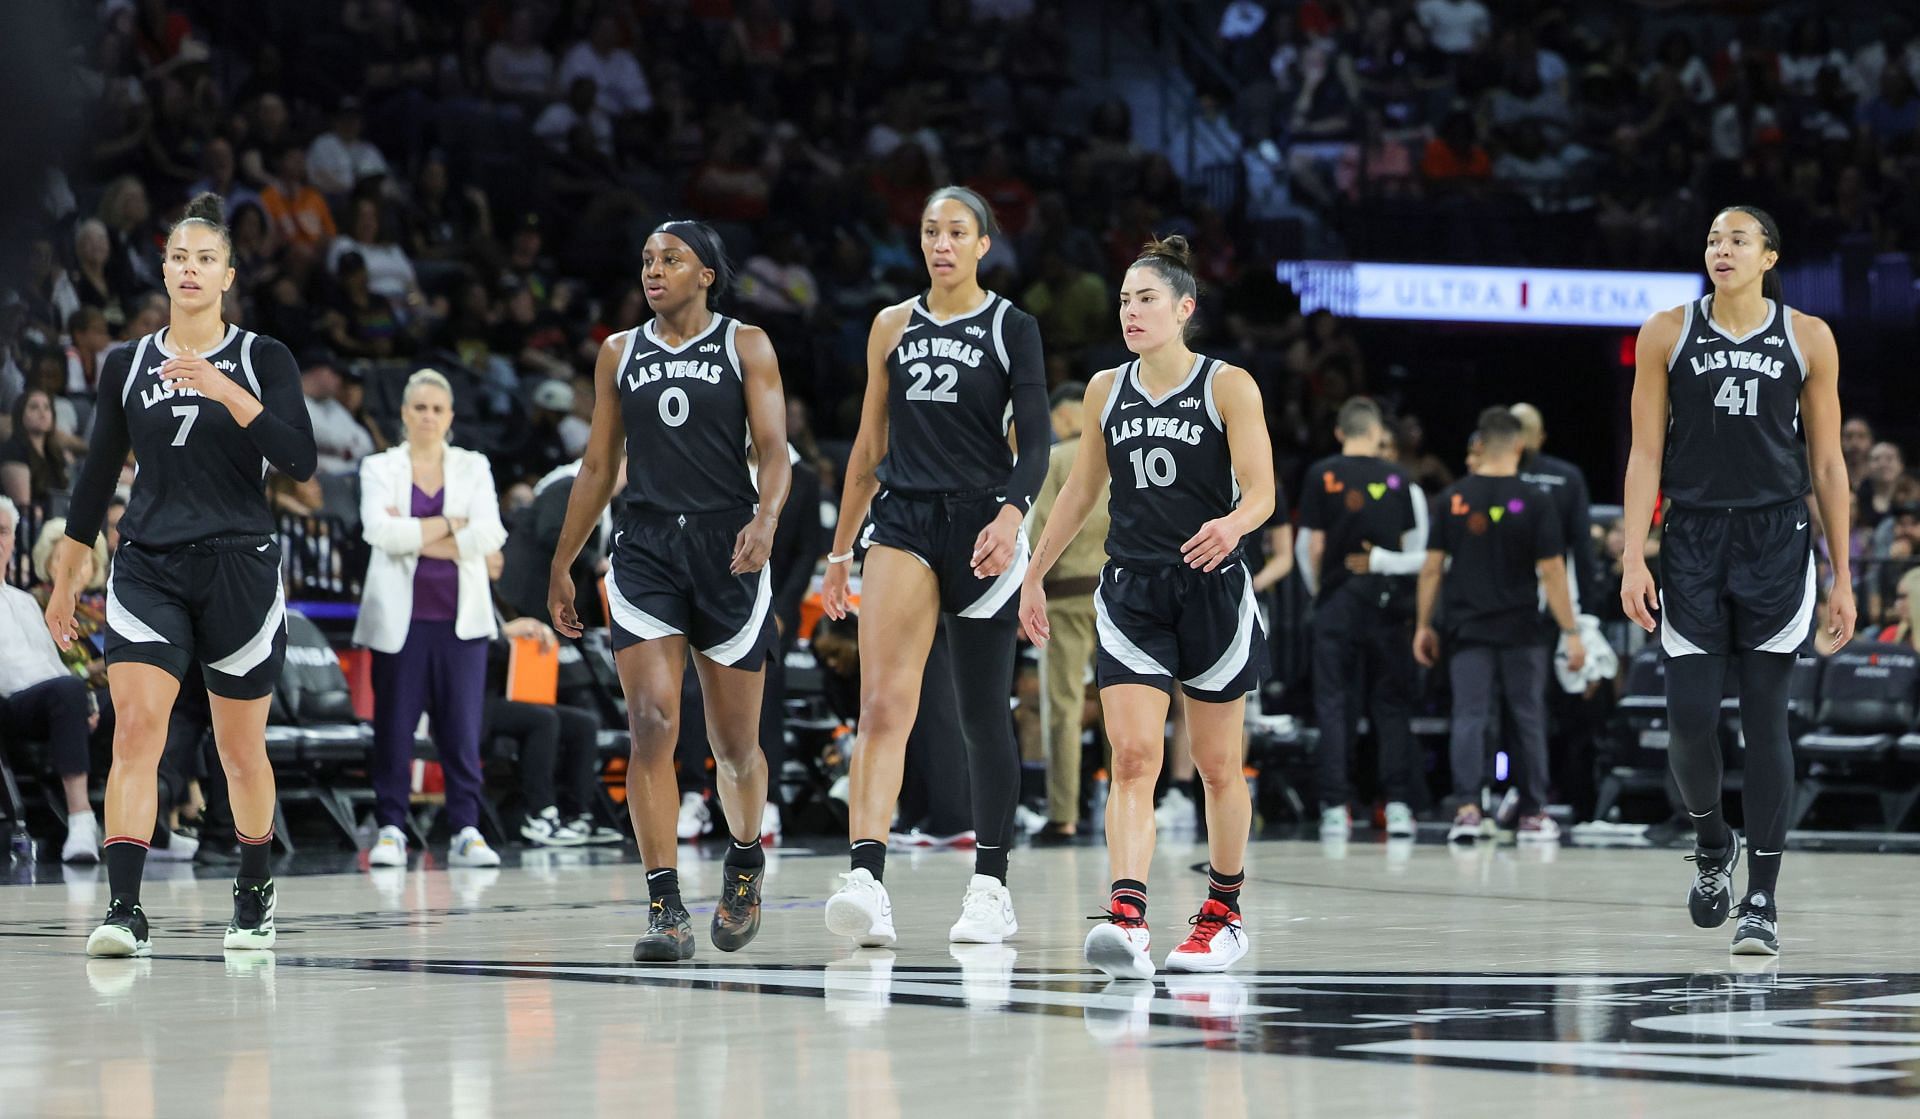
[1152,468]
[1739,398]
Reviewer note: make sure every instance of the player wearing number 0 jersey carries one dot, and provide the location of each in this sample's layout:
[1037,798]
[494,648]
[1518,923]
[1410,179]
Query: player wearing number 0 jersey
[207,410]
[689,397]
[1184,440]
[1736,416]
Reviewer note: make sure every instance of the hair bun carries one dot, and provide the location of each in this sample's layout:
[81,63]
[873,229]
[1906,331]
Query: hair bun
[208,207]
[1174,250]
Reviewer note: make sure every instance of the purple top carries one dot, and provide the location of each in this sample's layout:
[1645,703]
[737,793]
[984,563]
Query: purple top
[436,582]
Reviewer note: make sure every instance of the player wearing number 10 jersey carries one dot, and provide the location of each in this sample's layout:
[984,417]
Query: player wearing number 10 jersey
[687,396]
[1722,390]
[1184,440]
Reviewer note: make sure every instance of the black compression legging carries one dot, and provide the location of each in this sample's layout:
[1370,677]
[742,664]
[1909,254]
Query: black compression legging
[983,655]
[1694,687]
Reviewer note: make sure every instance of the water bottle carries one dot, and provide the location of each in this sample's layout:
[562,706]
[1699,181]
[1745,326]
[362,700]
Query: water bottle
[1098,817]
[21,844]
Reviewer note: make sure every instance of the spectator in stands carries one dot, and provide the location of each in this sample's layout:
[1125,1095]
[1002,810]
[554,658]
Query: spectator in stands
[363,323]
[340,160]
[1856,441]
[579,107]
[299,213]
[221,173]
[1072,304]
[1903,626]
[1458,27]
[93,282]
[41,698]
[1070,590]
[34,464]
[616,73]
[88,342]
[134,261]
[1886,464]
[1454,157]
[519,69]
[390,273]
[432,515]
[341,438]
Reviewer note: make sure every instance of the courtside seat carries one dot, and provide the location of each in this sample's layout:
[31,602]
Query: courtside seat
[1866,702]
[329,744]
[1636,763]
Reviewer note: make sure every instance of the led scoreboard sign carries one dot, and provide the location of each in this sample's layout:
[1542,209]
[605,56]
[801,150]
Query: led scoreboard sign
[1450,293]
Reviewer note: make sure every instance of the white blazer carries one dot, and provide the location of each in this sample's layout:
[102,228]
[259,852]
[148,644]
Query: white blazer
[386,602]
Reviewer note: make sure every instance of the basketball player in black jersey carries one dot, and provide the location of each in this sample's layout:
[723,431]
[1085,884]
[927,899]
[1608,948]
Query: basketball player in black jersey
[688,397]
[1184,440]
[206,408]
[1721,392]
[947,371]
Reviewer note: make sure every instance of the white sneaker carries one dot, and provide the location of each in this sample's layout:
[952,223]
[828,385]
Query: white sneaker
[1121,950]
[594,832]
[770,824]
[1538,828]
[1027,820]
[180,848]
[862,910]
[1176,811]
[549,830]
[469,848]
[986,913]
[1335,823]
[1400,822]
[83,839]
[696,819]
[1216,943]
[390,849]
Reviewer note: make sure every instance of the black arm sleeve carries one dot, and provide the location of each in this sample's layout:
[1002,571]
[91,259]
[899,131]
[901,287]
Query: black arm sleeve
[797,545]
[106,453]
[1033,428]
[283,431]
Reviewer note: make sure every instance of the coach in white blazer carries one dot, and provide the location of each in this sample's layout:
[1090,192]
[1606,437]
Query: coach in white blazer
[432,515]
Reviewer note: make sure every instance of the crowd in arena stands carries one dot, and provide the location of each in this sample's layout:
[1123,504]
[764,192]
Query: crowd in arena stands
[1614,125]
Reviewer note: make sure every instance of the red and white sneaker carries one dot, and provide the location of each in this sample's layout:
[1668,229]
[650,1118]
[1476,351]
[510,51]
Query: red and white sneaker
[1119,946]
[1216,943]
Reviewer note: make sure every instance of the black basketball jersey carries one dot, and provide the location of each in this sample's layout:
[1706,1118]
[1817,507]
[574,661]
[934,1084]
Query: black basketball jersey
[197,473]
[950,397]
[685,409]
[1172,470]
[1733,422]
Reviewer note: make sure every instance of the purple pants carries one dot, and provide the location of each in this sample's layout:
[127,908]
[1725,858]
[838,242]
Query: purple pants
[446,677]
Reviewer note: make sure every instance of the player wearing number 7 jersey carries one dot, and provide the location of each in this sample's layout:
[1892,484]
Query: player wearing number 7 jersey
[688,397]
[207,409]
[1184,439]
[1721,390]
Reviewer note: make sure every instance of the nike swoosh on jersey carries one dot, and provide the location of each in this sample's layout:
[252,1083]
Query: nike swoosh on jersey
[914,327]
[1702,341]
[1799,526]
[643,357]
[264,547]
[1126,404]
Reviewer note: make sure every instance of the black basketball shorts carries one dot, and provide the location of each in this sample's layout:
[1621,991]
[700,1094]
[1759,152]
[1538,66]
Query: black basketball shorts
[940,530]
[1736,580]
[671,576]
[218,602]
[1158,625]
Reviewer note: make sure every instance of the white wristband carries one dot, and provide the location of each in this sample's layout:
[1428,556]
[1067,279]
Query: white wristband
[843,557]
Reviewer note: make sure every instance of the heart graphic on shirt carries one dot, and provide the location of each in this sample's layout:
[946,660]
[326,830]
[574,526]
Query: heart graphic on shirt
[1377,489]
[1496,513]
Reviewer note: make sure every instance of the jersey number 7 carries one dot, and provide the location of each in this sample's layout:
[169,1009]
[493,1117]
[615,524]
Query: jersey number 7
[186,416]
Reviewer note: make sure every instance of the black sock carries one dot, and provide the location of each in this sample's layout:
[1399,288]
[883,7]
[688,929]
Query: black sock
[126,863]
[1225,888]
[990,861]
[664,885]
[162,837]
[1710,829]
[254,855]
[1763,872]
[1129,898]
[746,856]
[869,855]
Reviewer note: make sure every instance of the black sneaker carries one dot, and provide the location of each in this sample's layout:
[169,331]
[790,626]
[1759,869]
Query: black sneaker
[736,920]
[669,935]
[122,934]
[1712,891]
[252,926]
[1758,933]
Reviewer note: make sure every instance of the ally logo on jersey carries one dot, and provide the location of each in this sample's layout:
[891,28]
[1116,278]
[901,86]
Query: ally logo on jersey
[160,390]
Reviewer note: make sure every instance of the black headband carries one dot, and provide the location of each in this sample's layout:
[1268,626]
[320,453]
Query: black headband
[706,245]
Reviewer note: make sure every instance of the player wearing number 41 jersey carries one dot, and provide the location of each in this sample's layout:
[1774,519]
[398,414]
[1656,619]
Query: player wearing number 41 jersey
[1184,439]
[207,410]
[1736,415]
[688,397]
